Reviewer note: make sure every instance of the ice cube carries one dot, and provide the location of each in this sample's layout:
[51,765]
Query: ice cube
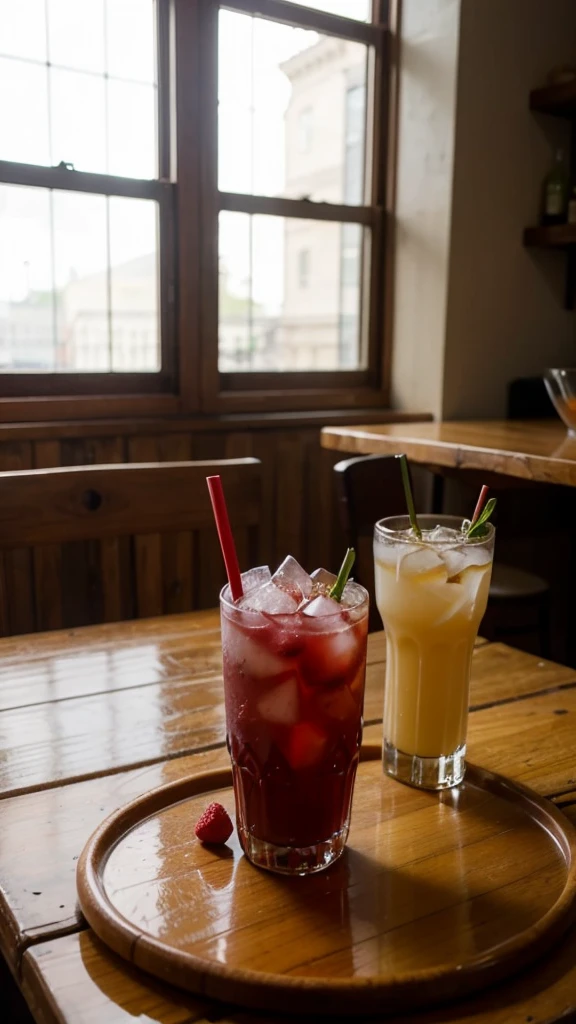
[305,745]
[456,600]
[280,704]
[444,535]
[254,659]
[476,554]
[455,562]
[323,577]
[424,561]
[331,657]
[270,599]
[338,703]
[255,578]
[475,578]
[292,578]
[389,555]
[321,605]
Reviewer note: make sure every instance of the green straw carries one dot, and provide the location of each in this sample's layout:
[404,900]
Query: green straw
[337,589]
[408,495]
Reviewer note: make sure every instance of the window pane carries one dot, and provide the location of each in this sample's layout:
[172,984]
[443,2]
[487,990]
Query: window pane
[234,306]
[78,282]
[23,124]
[134,284]
[286,119]
[357,9]
[27,340]
[130,39]
[76,34]
[80,274]
[131,129]
[78,113]
[23,28]
[290,294]
[97,76]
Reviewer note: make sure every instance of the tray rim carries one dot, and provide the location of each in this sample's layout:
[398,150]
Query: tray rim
[292,993]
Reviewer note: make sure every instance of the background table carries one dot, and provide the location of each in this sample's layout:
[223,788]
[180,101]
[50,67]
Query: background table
[537,450]
[91,718]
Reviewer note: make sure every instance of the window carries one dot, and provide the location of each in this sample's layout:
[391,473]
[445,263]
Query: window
[305,130]
[82,219]
[164,178]
[303,268]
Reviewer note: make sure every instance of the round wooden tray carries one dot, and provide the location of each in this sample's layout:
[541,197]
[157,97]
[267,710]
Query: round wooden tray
[435,896]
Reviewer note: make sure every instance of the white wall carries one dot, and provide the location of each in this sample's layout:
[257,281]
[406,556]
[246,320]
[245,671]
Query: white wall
[505,308]
[488,309]
[427,109]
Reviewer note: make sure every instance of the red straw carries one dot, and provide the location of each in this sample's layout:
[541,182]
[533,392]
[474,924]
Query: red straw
[225,536]
[480,503]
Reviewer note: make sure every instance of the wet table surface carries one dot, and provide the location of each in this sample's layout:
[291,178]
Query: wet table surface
[91,718]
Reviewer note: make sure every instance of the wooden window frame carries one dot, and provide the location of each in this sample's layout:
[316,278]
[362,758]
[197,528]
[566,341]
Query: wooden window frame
[189,203]
[79,394]
[254,391]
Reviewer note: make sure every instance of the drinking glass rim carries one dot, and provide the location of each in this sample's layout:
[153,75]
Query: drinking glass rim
[398,536]
[363,597]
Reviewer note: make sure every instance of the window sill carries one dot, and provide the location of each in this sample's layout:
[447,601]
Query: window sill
[167,422]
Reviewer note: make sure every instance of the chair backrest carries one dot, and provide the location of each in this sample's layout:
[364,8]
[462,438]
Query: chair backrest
[102,543]
[370,488]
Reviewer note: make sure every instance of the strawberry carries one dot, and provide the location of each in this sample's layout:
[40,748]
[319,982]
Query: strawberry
[214,825]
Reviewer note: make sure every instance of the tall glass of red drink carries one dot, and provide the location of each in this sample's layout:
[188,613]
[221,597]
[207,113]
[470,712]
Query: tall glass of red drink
[294,670]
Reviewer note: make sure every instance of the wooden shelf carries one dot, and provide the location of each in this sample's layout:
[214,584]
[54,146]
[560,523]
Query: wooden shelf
[558,236]
[558,100]
[555,236]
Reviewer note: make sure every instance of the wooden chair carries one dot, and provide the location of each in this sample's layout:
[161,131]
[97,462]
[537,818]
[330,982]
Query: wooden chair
[104,543]
[370,488]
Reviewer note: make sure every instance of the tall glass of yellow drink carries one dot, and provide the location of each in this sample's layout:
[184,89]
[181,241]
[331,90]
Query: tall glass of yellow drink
[431,595]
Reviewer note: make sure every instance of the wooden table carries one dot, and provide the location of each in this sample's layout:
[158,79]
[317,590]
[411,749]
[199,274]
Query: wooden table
[91,718]
[537,450]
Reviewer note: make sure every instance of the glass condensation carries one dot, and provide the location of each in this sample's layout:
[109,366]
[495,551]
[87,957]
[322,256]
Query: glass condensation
[289,294]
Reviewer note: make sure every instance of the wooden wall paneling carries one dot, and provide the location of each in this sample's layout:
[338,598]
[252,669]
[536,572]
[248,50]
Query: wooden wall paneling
[239,446]
[177,548]
[290,482]
[17,613]
[147,549]
[76,603]
[47,558]
[4,620]
[264,448]
[47,454]
[318,524]
[210,574]
[94,571]
[158,574]
[115,553]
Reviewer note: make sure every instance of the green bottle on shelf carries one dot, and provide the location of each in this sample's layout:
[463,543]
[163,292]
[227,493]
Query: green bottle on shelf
[555,196]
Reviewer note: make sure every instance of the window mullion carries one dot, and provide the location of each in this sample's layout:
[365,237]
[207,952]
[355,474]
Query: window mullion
[302,208]
[68,180]
[308,18]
